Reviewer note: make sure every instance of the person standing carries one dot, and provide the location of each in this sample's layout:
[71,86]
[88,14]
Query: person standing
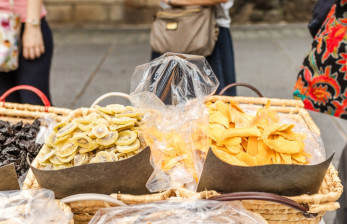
[222,58]
[35,56]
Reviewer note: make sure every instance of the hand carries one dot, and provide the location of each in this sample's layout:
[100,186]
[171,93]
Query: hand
[33,46]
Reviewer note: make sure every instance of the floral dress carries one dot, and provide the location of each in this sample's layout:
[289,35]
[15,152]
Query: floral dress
[322,80]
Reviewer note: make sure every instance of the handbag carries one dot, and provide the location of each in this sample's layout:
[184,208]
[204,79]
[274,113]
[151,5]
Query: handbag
[188,30]
[9,39]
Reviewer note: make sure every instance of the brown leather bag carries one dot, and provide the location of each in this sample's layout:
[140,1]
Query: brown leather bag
[190,30]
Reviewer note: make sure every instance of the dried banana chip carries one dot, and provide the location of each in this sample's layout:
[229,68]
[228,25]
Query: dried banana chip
[68,158]
[100,130]
[80,159]
[116,108]
[62,166]
[101,157]
[104,110]
[109,139]
[128,148]
[66,148]
[46,156]
[121,127]
[82,140]
[55,160]
[123,120]
[67,129]
[126,138]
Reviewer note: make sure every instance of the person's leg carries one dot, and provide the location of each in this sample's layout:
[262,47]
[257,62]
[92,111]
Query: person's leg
[7,81]
[222,61]
[341,213]
[36,72]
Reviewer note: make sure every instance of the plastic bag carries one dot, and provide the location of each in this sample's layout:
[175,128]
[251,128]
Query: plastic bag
[31,207]
[172,212]
[170,90]
[175,78]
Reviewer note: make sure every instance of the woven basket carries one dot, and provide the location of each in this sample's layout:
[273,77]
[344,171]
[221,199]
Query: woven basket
[27,113]
[325,200]
[15,112]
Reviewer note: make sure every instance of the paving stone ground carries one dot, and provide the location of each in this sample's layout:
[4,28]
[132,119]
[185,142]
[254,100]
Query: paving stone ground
[88,63]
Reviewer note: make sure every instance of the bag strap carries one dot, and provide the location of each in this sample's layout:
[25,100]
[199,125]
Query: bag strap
[266,197]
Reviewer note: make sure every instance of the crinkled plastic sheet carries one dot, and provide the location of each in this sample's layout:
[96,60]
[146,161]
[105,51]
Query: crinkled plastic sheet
[173,212]
[313,142]
[170,90]
[175,78]
[31,207]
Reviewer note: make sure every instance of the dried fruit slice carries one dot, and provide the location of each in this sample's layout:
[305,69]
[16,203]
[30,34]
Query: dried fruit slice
[85,127]
[113,156]
[121,127]
[66,148]
[123,120]
[101,157]
[109,139]
[82,121]
[103,110]
[61,139]
[116,108]
[62,166]
[67,129]
[55,160]
[126,138]
[80,159]
[85,150]
[59,126]
[128,148]
[68,158]
[129,113]
[102,121]
[82,140]
[46,156]
[100,130]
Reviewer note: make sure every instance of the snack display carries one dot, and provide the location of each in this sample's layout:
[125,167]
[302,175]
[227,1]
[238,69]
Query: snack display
[17,144]
[171,212]
[104,134]
[245,140]
[31,206]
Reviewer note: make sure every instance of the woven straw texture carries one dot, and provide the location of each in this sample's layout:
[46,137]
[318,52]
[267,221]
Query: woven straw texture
[321,202]
[15,112]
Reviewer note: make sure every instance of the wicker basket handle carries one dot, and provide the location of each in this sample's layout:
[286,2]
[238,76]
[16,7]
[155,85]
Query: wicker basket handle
[240,84]
[30,88]
[107,95]
[265,197]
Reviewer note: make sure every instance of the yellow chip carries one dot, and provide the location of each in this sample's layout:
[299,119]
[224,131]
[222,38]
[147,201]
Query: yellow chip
[226,157]
[252,146]
[244,157]
[282,145]
[216,131]
[232,141]
[223,108]
[234,149]
[219,118]
[240,132]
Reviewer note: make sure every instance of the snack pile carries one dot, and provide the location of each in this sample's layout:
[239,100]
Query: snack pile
[245,140]
[104,134]
[17,143]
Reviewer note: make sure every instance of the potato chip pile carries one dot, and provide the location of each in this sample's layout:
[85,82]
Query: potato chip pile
[105,134]
[244,140]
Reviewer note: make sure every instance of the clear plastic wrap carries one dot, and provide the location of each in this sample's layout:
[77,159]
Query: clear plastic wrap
[170,90]
[172,212]
[31,207]
[174,78]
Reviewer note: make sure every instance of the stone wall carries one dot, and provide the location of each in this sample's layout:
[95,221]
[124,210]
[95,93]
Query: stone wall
[115,12]
[104,12]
